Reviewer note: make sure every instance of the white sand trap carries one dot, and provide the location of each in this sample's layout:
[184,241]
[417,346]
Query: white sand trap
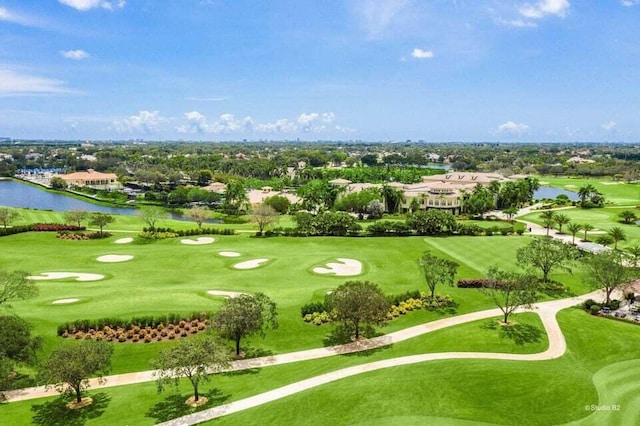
[222,293]
[114,258]
[348,267]
[544,183]
[229,254]
[64,301]
[612,183]
[124,240]
[79,276]
[570,186]
[250,264]
[198,241]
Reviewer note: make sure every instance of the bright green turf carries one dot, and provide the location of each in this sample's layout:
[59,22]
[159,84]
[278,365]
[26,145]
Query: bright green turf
[155,282]
[614,192]
[602,219]
[138,400]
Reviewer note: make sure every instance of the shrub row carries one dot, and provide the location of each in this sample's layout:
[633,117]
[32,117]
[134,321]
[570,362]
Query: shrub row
[15,230]
[78,236]
[473,283]
[127,324]
[49,227]
[191,232]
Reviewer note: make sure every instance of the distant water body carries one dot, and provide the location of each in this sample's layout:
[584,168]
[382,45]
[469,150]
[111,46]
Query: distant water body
[551,193]
[18,194]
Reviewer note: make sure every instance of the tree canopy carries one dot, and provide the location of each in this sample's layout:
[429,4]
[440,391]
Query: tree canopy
[14,285]
[244,316]
[546,254]
[71,364]
[437,270]
[358,304]
[195,358]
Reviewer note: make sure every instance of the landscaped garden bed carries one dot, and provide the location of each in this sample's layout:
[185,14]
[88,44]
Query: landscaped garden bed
[136,330]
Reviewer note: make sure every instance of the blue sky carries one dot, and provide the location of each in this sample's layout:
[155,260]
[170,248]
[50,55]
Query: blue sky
[375,70]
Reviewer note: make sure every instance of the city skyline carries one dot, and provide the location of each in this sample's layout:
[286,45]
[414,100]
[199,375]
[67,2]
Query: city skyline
[490,70]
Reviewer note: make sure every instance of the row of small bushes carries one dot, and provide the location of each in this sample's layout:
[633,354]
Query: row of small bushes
[473,283]
[81,236]
[55,227]
[594,307]
[15,230]
[388,228]
[191,232]
[142,321]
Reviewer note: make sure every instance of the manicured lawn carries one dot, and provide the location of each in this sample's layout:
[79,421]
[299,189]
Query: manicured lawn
[503,392]
[602,219]
[614,192]
[143,405]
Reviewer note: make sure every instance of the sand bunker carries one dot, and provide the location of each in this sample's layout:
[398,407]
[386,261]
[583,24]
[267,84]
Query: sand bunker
[222,293]
[114,258]
[250,264]
[64,301]
[124,240]
[229,254]
[61,275]
[198,241]
[348,267]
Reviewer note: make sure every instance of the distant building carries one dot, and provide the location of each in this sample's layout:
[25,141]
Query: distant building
[257,196]
[92,179]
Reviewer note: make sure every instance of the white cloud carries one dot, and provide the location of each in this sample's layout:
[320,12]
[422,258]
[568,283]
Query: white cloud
[15,18]
[545,7]
[76,55]
[315,122]
[144,122]
[610,125]
[377,15]
[16,83]
[629,3]
[515,23]
[512,128]
[226,123]
[84,5]
[280,126]
[421,53]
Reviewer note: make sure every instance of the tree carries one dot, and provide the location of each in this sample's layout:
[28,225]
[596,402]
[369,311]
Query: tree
[75,216]
[510,212]
[8,216]
[585,192]
[510,290]
[15,285]
[634,251]
[198,214]
[279,203]
[16,342]
[393,198]
[70,365]
[545,254]
[194,358]
[245,315]
[151,216]
[548,218]
[617,234]
[607,271]
[375,209]
[432,222]
[235,195]
[628,216]
[480,201]
[437,270]
[58,183]
[263,216]
[561,219]
[100,220]
[586,227]
[573,229]
[358,304]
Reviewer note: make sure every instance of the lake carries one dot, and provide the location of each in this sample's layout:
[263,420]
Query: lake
[551,193]
[18,194]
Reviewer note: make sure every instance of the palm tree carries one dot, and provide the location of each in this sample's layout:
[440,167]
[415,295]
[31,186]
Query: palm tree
[574,228]
[561,219]
[617,234]
[548,217]
[586,227]
[584,192]
[634,251]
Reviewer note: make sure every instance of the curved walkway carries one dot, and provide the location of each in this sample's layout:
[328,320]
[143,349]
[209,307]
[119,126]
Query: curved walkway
[546,310]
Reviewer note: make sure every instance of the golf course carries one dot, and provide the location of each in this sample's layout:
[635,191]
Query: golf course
[125,276]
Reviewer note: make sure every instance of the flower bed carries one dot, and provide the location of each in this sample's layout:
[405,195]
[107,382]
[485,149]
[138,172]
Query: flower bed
[138,329]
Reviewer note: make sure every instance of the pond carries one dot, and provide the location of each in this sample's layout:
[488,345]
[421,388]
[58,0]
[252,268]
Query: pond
[551,193]
[18,194]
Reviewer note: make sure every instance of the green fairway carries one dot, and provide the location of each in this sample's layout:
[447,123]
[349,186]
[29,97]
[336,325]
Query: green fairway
[144,405]
[602,219]
[616,192]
